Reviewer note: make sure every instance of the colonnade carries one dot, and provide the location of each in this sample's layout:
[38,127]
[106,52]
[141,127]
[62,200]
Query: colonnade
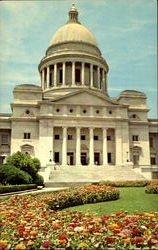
[77,73]
[78,145]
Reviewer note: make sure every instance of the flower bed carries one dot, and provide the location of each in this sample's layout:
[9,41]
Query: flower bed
[83,195]
[152,188]
[28,223]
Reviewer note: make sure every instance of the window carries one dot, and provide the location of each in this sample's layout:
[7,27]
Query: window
[71,110]
[83,137]
[27,111]
[57,137]
[108,138]
[153,160]
[151,141]
[57,110]
[69,137]
[134,116]
[135,138]
[77,75]
[4,139]
[96,138]
[84,111]
[110,112]
[27,135]
[97,111]
[60,75]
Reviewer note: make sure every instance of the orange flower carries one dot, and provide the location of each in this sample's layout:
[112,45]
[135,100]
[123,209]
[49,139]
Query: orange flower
[3,244]
[34,233]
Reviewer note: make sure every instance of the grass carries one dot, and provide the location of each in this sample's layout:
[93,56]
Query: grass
[131,199]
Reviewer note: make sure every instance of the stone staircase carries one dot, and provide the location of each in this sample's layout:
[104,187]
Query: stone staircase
[70,175]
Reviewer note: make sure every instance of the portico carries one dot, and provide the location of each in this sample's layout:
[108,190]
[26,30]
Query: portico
[83,145]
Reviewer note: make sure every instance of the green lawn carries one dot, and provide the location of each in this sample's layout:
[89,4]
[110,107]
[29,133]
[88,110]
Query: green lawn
[131,199]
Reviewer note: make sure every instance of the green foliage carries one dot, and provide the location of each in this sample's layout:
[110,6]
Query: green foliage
[83,195]
[131,199]
[152,188]
[12,175]
[38,179]
[15,188]
[24,162]
[135,183]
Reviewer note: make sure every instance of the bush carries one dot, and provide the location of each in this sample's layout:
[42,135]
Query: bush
[14,188]
[125,183]
[38,179]
[12,175]
[24,162]
[152,188]
[83,195]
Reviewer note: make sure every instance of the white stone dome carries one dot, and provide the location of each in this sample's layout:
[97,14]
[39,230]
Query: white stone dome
[73,32]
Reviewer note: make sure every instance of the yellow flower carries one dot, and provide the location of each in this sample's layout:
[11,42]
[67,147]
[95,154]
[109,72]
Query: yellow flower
[83,245]
[20,246]
[126,241]
[149,214]
[3,244]
[30,242]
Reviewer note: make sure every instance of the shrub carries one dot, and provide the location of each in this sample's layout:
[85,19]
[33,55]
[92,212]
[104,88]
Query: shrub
[12,175]
[24,162]
[38,179]
[14,188]
[135,183]
[152,188]
[83,195]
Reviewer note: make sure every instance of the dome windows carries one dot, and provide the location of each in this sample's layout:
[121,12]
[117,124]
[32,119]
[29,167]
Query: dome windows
[57,110]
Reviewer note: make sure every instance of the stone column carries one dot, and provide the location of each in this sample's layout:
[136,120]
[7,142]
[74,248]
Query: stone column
[104,146]
[118,145]
[42,78]
[55,75]
[91,75]
[64,147]
[48,76]
[91,147]
[64,67]
[83,74]
[73,73]
[98,72]
[78,147]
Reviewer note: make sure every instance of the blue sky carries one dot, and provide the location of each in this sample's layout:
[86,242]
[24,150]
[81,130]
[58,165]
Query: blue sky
[125,31]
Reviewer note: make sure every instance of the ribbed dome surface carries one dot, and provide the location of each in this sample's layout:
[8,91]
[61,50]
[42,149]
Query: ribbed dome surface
[73,32]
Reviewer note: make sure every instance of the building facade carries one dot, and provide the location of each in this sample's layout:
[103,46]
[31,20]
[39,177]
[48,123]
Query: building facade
[70,119]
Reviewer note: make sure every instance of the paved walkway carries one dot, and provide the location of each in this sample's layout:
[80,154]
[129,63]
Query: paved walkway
[43,190]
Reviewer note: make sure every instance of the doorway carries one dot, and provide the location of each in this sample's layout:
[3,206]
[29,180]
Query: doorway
[83,158]
[136,160]
[97,158]
[70,158]
[56,157]
[109,158]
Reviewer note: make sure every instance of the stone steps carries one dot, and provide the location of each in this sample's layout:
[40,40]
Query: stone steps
[88,174]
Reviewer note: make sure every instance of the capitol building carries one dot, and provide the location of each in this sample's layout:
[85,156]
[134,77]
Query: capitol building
[70,120]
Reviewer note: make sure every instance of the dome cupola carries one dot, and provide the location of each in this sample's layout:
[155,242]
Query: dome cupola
[73,59]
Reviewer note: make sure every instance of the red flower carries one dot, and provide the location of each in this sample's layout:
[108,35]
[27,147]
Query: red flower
[138,240]
[135,231]
[46,244]
[110,240]
[62,237]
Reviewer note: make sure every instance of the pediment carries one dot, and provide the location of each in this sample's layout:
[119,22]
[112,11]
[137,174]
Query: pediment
[85,98]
